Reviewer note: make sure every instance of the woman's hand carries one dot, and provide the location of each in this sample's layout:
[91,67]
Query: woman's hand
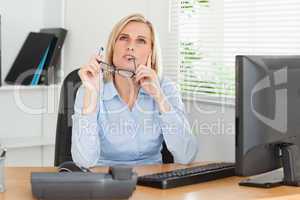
[90,74]
[147,78]
[90,77]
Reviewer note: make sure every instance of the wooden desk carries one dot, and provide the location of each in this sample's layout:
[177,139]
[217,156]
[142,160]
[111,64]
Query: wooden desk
[18,187]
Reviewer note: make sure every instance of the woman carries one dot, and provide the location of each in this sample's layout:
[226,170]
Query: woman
[125,119]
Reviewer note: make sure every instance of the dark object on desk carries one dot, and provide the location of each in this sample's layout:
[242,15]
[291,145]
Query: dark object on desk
[120,172]
[32,57]
[267,119]
[51,76]
[70,166]
[83,185]
[188,176]
[64,122]
[266,180]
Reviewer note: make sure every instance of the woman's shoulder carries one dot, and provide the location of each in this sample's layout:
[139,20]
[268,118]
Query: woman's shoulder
[80,91]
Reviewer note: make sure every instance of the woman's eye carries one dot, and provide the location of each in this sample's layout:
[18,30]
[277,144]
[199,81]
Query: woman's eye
[141,41]
[122,38]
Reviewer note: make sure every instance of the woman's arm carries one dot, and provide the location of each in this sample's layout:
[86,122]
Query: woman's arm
[85,147]
[175,126]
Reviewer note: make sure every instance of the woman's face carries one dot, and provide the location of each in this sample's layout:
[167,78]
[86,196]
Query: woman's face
[134,41]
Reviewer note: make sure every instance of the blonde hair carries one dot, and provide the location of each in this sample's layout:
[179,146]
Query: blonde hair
[156,63]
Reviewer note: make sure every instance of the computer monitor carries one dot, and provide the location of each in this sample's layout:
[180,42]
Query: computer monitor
[268,119]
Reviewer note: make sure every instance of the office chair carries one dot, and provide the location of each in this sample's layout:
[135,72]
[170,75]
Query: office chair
[64,122]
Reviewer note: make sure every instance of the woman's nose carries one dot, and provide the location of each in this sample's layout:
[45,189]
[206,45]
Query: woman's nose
[130,48]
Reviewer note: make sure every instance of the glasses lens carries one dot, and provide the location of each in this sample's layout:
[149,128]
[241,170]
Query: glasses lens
[125,73]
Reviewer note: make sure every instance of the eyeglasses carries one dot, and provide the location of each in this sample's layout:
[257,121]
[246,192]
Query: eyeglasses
[113,69]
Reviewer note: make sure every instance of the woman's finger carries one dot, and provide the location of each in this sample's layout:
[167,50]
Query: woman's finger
[149,60]
[142,68]
[142,75]
[143,72]
[90,69]
[99,58]
[96,66]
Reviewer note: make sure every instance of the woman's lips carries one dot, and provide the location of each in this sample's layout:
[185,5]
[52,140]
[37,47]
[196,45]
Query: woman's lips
[129,57]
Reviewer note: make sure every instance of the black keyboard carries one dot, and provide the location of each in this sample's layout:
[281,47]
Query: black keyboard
[187,176]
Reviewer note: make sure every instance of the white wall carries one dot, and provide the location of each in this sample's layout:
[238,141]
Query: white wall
[53,13]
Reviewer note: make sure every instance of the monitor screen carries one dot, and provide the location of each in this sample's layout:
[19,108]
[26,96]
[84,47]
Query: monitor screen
[267,111]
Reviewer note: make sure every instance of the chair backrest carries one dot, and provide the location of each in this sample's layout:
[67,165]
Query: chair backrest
[64,122]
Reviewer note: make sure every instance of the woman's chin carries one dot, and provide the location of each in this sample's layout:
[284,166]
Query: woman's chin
[125,66]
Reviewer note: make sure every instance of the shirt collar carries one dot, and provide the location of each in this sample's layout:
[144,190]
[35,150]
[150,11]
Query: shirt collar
[110,91]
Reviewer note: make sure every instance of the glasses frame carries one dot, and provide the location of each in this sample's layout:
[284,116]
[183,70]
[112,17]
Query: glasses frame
[113,69]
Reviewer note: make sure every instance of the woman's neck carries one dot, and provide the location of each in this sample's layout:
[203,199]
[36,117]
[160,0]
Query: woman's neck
[127,89]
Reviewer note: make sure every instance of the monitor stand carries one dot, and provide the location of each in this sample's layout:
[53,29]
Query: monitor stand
[289,174]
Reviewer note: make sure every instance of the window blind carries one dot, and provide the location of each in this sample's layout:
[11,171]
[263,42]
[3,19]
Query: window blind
[170,53]
[206,35]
